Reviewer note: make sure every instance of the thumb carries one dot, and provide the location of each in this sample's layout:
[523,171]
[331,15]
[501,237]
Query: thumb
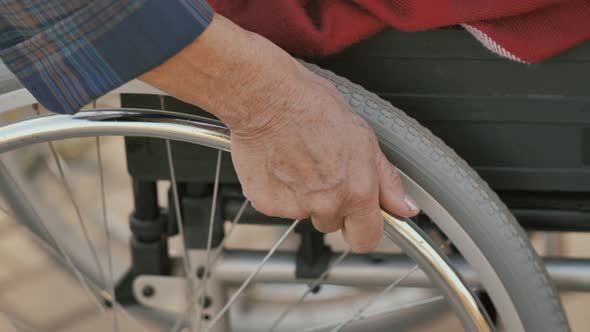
[392,195]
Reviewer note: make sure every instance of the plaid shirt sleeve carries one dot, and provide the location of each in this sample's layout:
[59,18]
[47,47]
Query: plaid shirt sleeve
[69,52]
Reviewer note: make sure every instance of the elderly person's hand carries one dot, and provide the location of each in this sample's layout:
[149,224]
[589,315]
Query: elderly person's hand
[297,147]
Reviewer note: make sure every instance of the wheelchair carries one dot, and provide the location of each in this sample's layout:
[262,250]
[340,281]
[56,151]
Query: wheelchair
[492,150]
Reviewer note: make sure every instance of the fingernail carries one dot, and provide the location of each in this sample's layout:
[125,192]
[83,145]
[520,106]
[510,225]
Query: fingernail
[411,203]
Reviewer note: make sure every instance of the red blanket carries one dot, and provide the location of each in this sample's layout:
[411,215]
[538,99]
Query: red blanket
[523,30]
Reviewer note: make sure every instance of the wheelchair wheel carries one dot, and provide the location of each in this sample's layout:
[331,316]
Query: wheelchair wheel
[495,254]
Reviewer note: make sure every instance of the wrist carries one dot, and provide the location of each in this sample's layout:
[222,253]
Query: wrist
[266,84]
[239,76]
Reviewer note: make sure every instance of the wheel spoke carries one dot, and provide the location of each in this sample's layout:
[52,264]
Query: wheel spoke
[89,284]
[359,314]
[209,241]
[234,222]
[384,311]
[310,289]
[63,256]
[179,221]
[401,307]
[185,260]
[111,282]
[55,240]
[76,207]
[375,298]
[6,211]
[251,277]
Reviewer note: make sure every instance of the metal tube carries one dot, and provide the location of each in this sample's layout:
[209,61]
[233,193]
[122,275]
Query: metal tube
[122,122]
[357,270]
[145,194]
[572,274]
[441,271]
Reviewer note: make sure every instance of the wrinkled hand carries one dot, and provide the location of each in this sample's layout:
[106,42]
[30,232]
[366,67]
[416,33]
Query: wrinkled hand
[316,158]
[297,147]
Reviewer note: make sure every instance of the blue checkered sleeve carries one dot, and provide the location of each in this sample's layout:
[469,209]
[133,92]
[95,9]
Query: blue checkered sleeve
[69,52]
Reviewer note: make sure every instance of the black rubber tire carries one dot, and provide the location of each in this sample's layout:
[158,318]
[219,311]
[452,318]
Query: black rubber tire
[478,210]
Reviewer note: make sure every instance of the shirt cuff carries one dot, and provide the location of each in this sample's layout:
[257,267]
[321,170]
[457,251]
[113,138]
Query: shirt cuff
[102,46]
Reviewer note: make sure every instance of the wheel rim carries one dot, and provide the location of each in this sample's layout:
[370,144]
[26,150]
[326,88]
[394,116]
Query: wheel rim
[212,134]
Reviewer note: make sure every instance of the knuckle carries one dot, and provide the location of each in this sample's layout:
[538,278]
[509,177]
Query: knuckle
[360,201]
[394,177]
[361,191]
[390,173]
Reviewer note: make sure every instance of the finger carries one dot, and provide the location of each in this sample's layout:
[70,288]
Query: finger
[327,218]
[326,212]
[392,195]
[363,228]
[327,224]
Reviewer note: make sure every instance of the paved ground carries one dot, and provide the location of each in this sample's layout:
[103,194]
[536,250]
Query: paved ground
[36,291]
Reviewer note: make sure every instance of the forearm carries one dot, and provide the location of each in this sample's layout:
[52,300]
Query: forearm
[297,148]
[231,73]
